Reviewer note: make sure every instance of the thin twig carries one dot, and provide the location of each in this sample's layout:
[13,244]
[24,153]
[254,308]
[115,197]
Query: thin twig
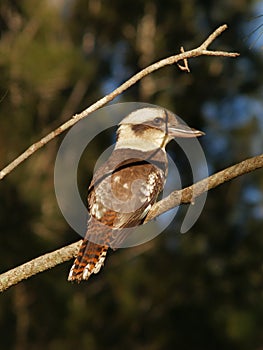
[212,36]
[185,196]
[199,51]
[185,66]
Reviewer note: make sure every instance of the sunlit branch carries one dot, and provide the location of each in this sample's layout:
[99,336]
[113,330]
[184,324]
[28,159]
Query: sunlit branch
[183,56]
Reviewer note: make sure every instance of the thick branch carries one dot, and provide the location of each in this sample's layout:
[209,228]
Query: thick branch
[183,56]
[39,264]
[185,196]
[188,194]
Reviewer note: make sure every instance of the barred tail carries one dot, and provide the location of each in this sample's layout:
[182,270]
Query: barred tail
[89,260]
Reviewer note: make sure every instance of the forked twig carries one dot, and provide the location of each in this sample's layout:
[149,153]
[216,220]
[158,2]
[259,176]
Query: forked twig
[183,56]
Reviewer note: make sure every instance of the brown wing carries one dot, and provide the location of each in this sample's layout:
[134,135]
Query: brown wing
[122,199]
[124,196]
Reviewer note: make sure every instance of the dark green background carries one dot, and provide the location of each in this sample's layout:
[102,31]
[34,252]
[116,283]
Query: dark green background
[201,290]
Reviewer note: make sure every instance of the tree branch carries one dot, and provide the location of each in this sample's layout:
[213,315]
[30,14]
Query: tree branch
[185,196]
[188,194]
[39,264]
[183,56]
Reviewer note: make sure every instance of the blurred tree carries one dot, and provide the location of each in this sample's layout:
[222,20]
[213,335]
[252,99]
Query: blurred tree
[199,290]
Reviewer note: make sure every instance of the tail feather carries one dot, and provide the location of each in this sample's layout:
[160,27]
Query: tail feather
[89,260]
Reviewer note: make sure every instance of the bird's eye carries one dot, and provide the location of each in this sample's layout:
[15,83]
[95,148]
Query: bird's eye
[158,121]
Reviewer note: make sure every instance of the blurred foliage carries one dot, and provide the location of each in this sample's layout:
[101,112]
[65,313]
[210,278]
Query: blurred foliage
[195,291]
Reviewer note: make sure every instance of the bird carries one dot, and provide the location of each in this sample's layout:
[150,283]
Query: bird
[125,187]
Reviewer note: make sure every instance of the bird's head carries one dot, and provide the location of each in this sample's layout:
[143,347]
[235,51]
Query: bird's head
[151,127]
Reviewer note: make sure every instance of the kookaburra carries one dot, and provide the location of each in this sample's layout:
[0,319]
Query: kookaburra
[123,190]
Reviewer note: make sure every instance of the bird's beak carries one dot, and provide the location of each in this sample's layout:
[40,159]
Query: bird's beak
[182,130]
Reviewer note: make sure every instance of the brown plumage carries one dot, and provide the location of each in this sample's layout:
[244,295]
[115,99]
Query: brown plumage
[123,190]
